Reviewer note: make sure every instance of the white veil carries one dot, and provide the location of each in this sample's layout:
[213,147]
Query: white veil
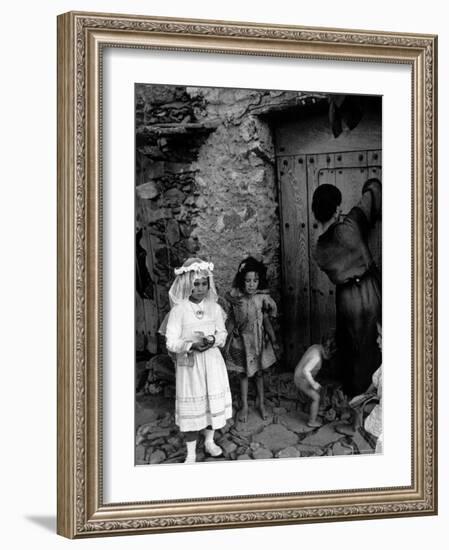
[191,270]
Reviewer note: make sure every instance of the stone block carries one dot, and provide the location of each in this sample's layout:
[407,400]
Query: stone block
[185,229]
[309,450]
[157,457]
[296,422]
[168,449]
[276,437]
[154,170]
[157,434]
[158,214]
[254,423]
[288,452]
[175,440]
[339,449]
[262,453]
[322,437]
[144,430]
[174,197]
[172,232]
[201,202]
[148,190]
[227,445]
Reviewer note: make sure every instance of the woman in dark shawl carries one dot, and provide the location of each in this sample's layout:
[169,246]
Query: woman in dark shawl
[342,253]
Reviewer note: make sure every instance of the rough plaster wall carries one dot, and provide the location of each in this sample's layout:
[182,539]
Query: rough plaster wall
[238,213]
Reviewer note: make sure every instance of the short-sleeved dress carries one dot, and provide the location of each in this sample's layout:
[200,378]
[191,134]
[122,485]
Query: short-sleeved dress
[203,397]
[342,253]
[249,349]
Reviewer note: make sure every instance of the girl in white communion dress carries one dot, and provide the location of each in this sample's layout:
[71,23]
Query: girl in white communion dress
[195,331]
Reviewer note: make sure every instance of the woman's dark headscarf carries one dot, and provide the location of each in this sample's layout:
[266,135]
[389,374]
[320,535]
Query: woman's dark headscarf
[325,201]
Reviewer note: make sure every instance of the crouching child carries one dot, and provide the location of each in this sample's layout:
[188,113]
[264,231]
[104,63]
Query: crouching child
[306,370]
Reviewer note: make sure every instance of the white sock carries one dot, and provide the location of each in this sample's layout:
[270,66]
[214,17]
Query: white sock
[191,452]
[209,436]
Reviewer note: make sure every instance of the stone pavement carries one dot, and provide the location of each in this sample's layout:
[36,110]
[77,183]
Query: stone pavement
[284,434]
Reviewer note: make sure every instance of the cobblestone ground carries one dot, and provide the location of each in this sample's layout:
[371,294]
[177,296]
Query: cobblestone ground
[284,434]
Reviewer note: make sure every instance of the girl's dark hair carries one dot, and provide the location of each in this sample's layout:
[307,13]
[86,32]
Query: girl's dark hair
[325,200]
[247,265]
[329,341]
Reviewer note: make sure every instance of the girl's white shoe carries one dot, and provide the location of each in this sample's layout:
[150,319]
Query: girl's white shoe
[209,445]
[213,449]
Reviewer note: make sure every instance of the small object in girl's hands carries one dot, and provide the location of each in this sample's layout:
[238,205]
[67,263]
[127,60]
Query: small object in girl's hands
[205,340]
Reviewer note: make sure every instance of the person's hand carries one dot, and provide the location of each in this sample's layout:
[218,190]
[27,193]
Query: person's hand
[205,344]
[317,386]
[198,346]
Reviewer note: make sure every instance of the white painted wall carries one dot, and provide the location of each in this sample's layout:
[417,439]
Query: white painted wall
[28,273]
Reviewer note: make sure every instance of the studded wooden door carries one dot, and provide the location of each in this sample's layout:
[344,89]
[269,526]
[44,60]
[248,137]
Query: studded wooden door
[308,295]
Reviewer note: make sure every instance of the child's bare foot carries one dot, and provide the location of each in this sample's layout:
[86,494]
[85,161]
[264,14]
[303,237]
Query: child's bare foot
[260,405]
[243,414]
[314,424]
[263,412]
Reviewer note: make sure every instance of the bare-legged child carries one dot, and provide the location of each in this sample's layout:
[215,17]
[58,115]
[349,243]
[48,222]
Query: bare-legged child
[251,347]
[306,370]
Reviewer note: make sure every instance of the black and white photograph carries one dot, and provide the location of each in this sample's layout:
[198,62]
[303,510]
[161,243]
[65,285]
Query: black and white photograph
[258,269]
[221,256]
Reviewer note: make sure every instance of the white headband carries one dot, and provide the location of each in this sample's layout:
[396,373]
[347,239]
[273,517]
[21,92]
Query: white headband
[196,266]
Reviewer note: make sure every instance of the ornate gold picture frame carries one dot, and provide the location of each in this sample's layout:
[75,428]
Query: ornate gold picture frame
[83,511]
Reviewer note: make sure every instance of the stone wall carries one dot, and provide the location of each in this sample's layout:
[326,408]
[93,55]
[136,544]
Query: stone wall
[236,177]
[168,139]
